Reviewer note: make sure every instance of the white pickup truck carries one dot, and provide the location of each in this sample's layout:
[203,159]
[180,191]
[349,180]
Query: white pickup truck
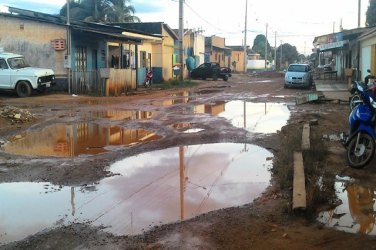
[16,75]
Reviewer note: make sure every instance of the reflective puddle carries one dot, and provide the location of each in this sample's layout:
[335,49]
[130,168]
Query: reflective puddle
[357,212]
[62,140]
[121,114]
[179,183]
[256,117]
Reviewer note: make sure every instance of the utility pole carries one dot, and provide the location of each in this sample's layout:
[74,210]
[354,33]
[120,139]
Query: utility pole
[359,7]
[275,50]
[245,38]
[280,64]
[68,47]
[181,32]
[266,45]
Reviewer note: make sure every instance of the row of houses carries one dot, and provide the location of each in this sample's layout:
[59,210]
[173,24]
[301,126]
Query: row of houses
[349,52]
[108,59]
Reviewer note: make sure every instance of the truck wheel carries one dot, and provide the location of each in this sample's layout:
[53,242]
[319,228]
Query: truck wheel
[215,77]
[225,78]
[23,89]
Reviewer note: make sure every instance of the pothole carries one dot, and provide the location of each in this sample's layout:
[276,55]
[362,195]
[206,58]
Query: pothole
[71,140]
[152,188]
[356,213]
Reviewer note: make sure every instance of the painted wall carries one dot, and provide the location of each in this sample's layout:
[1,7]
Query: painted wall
[368,56]
[168,48]
[141,70]
[95,48]
[238,58]
[33,40]
[194,45]
[218,41]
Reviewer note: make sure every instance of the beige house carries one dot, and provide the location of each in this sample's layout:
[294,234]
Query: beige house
[157,54]
[238,58]
[216,51]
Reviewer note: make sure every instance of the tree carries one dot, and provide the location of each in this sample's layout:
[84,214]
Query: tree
[259,46]
[289,55]
[102,11]
[120,11]
[371,14]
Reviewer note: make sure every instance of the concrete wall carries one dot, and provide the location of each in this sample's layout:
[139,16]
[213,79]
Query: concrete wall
[371,57]
[167,54]
[238,58]
[218,41]
[33,40]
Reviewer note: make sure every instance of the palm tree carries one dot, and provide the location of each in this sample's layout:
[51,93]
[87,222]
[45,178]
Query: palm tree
[120,11]
[103,11]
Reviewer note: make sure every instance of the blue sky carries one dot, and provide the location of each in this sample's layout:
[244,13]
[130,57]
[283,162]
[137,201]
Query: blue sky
[292,21]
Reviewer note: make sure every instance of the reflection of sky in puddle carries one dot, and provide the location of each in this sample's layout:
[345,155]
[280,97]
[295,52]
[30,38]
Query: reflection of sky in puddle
[178,183]
[261,81]
[356,214]
[259,117]
[61,140]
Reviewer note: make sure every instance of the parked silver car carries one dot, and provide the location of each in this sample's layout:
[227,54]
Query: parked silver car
[298,75]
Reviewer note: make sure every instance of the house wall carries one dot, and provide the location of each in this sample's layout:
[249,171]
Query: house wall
[167,54]
[218,41]
[368,59]
[238,58]
[96,51]
[33,40]
[199,49]
[141,70]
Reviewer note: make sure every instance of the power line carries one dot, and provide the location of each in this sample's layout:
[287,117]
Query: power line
[203,19]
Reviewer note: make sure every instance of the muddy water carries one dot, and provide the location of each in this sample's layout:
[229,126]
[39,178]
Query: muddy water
[62,140]
[357,212]
[151,189]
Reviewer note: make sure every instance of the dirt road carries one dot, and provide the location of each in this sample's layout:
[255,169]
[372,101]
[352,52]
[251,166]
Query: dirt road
[160,119]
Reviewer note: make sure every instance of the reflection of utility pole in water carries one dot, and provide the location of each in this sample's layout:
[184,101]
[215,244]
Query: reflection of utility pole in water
[182,180]
[72,201]
[245,121]
[265,108]
[71,141]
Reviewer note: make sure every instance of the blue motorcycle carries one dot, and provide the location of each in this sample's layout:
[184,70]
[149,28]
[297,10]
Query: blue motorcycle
[360,143]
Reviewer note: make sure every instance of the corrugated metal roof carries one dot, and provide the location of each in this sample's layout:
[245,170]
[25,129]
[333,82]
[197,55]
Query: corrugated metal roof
[119,37]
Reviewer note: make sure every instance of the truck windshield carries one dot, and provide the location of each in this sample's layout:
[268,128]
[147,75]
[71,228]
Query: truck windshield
[17,63]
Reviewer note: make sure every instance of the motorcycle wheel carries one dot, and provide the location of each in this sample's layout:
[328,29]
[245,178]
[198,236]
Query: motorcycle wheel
[354,101]
[360,155]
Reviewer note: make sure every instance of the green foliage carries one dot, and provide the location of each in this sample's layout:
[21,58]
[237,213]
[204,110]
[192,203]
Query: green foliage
[289,55]
[371,14]
[103,11]
[259,46]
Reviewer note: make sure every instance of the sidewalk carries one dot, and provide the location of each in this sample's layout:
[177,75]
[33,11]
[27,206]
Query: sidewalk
[332,89]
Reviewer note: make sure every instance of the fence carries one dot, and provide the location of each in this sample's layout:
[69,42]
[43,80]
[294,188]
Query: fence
[89,82]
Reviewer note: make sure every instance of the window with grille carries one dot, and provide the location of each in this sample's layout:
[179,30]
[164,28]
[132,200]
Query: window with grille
[81,58]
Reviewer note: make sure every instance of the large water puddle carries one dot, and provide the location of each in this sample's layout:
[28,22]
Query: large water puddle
[152,189]
[256,117]
[357,212]
[71,140]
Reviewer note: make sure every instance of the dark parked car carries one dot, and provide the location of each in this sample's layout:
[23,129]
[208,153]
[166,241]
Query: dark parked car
[211,70]
[298,75]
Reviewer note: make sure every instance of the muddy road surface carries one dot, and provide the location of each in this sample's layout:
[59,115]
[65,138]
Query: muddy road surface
[192,168]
